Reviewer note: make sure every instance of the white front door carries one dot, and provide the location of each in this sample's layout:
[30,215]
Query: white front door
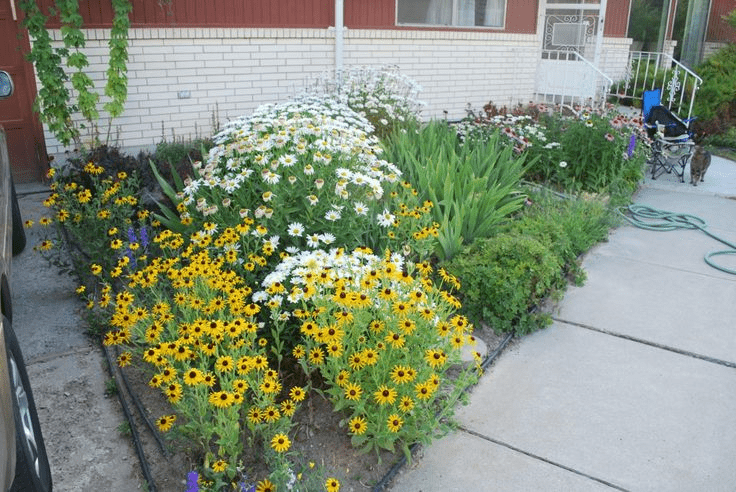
[572,34]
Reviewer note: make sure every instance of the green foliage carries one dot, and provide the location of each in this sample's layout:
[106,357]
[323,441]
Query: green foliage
[593,152]
[715,104]
[180,151]
[505,278]
[117,81]
[54,103]
[473,185]
[590,156]
[644,19]
[730,18]
[53,100]
[71,23]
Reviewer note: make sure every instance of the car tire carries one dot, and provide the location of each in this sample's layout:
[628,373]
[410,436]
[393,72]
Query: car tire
[19,233]
[32,470]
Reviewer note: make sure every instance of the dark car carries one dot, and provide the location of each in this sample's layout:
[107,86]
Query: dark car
[24,465]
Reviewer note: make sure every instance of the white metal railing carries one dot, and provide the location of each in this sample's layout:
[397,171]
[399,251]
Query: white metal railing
[648,70]
[570,81]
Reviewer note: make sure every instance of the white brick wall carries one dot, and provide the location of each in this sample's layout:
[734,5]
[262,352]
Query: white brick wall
[229,72]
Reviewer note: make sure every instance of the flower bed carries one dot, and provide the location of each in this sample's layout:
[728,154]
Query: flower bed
[295,264]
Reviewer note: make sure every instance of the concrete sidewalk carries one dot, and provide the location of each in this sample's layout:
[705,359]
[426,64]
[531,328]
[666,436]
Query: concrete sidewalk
[634,385]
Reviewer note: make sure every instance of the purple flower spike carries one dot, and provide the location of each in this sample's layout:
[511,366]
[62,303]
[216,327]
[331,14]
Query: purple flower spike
[192,482]
[632,145]
[144,237]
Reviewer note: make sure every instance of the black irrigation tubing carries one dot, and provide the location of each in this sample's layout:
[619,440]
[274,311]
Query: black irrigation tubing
[389,476]
[133,430]
[144,414]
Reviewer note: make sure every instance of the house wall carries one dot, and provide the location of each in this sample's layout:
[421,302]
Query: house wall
[180,79]
[710,48]
[718,29]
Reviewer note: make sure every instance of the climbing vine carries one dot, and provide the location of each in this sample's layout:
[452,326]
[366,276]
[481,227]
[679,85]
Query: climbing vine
[54,103]
[117,81]
[71,33]
[53,100]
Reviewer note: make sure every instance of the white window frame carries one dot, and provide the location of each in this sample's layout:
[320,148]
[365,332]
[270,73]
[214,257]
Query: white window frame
[455,17]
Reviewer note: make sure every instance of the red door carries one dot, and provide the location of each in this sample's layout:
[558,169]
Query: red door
[26,146]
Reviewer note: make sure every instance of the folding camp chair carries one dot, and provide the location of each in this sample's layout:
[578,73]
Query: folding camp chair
[672,145]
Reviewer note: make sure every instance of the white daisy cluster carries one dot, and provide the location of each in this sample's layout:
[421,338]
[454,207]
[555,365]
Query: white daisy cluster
[313,156]
[307,266]
[383,95]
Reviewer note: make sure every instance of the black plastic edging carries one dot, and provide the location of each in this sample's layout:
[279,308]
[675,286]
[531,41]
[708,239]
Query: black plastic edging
[133,429]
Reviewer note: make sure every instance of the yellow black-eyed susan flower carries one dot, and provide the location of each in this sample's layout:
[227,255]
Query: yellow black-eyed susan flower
[219,466]
[240,386]
[265,485]
[297,393]
[342,378]
[423,391]
[332,485]
[220,399]
[165,422]
[224,363]
[358,425]
[353,391]
[125,359]
[288,407]
[280,443]
[356,361]
[270,386]
[435,358]
[385,395]
[376,326]
[401,374]
[406,404]
[394,422]
[270,414]
[316,356]
[254,415]
[46,245]
[396,340]
[192,377]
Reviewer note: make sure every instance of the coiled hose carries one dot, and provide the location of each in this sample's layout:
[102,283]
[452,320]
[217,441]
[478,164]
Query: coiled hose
[652,219]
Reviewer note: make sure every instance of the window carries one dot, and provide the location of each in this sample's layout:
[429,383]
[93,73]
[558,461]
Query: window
[454,13]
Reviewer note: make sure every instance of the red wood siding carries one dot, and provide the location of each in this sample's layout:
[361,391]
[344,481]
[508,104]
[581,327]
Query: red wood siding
[521,15]
[718,29]
[617,19]
[212,13]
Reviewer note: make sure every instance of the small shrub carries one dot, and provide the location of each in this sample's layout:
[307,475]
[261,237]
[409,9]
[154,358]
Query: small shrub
[715,104]
[503,278]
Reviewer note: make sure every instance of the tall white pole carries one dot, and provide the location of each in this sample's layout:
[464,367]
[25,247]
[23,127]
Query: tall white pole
[339,37]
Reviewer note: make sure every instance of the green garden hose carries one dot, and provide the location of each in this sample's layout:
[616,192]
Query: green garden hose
[649,218]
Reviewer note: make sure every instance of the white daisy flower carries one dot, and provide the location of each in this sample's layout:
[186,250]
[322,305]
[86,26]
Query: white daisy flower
[287,160]
[296,229]
[313,240]
[385,219]
[360,208]
[332,215]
